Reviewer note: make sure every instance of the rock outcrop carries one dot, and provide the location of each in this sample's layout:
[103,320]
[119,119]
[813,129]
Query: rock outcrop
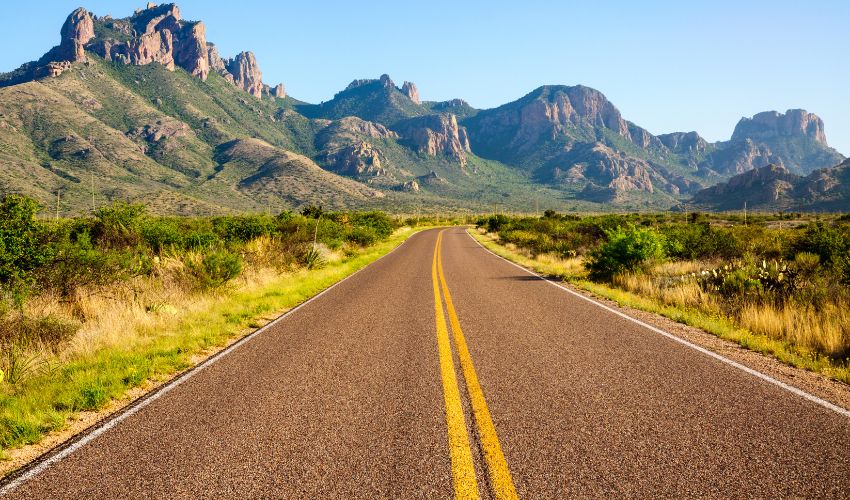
[156,34]
[77,31]
[436,134]
[246,73]
[601,166]
[764,185]
[409,89]
[772,124]
[737,157]
[358,159]
[684,142]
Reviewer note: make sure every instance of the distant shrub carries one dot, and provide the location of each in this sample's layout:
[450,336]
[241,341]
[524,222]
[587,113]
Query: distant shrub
[627,249]
[161,233]
[312,211]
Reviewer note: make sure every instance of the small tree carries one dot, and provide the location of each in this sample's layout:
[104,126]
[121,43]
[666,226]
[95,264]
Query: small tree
[22,249]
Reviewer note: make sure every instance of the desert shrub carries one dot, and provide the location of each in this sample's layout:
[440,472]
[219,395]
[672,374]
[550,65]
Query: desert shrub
[117,225]
[312,258]
[243,228]
[830,244]
[363,236]
[378,222]
[214,269]
[494,223]
[199,239]
[22,249]
[160,233]
[700,240]
[627,249]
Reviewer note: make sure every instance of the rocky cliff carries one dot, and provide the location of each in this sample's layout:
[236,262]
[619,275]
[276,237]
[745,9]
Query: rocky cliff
[772,124]
[436,135]
[156,34]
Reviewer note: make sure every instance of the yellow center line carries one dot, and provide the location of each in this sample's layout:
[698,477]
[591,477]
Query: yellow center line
[463,469]
[497,466]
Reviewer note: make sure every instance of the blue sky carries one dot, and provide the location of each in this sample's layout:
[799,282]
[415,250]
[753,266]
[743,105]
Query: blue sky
[667,65]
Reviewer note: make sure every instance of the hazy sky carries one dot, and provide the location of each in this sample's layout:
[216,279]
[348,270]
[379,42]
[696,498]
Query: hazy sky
[667,65]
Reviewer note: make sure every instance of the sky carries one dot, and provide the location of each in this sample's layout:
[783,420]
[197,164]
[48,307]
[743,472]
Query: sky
[667,65]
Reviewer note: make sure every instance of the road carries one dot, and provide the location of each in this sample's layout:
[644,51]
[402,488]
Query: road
[444,371]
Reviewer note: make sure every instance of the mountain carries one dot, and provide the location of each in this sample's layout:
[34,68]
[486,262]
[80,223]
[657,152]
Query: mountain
[145,108]
[775,187]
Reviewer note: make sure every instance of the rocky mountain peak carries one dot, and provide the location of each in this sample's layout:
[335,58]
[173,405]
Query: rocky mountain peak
[772,124]
[77,31]
[684,142]
[409,89]
[246,73]
[386,81]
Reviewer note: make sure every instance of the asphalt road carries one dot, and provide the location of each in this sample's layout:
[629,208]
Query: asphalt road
[452,373]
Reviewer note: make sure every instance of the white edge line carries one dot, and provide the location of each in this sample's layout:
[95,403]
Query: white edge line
[767,378]
[109,423]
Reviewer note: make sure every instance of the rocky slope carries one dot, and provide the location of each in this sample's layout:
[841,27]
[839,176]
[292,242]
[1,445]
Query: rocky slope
[775,187]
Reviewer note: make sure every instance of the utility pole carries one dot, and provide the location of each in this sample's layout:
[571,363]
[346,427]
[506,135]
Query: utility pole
[536,208]
[316,233]
[745,213]
[57,204]
[92,192]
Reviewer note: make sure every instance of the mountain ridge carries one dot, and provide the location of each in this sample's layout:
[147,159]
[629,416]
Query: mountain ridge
[166,103]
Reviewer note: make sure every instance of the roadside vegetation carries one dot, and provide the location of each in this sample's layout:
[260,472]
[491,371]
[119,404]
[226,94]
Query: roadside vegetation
[91,307]
[775,283]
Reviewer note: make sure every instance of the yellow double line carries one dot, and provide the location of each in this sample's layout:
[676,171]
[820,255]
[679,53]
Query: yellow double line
[463,469]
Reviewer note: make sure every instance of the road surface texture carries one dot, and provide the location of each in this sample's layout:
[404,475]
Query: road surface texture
[443,371]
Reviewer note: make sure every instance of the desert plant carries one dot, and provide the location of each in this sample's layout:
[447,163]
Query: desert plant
[627,249]
[21,247]
[214,269]
[313,259]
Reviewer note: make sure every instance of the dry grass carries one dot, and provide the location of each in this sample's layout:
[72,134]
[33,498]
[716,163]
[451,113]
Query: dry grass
[826,330]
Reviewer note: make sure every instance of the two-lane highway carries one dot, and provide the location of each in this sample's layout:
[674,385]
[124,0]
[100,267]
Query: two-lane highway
[444,371]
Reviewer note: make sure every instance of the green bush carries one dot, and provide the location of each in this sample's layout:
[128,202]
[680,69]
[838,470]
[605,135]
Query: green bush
[363,236]
[627,249]
[161,233]
[22,249]
[830,244]
[378,222]
[117,225]
[244,228]
[215,269]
